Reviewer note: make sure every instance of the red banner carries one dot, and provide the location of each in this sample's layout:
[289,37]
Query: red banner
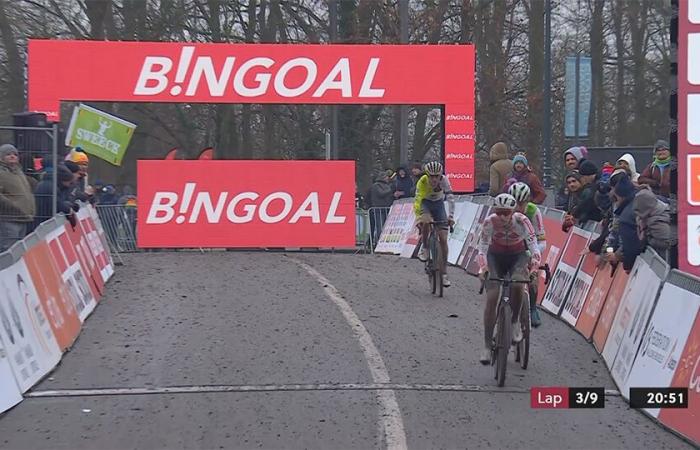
[688,140]
[612,303]
[246,204]
[556,241]
[265,73]
[595,300]
[53,294]
[685,421]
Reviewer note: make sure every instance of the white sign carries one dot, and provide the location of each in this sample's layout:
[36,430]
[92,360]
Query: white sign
[694,11]
[664,340]
[9,391]
[465,213]
[693,118]
[26,331]
[693,239]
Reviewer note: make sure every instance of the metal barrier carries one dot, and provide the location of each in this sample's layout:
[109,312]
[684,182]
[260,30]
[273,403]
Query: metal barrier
[119,223]
[377,217]
[361,227]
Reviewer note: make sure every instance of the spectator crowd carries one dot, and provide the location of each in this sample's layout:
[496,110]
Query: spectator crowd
[633,208]
[27,200]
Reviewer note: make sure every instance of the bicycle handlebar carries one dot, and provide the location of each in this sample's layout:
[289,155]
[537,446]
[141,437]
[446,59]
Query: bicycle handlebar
[442,222]
[546,281]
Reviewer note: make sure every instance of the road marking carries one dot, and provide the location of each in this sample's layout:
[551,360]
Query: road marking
[236,388]
[389,412]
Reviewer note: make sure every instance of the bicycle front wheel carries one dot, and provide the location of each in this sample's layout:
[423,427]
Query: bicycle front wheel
[503,344]
[524,345]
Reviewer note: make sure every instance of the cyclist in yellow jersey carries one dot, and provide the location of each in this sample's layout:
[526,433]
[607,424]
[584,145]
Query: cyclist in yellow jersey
[431,191]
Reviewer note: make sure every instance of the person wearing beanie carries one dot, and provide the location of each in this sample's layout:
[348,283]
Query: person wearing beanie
[77,193]
[522,173]
[17,207]
[628,163]
[657,175]
[500,167]
[606,172]
[623,234]
[65,203]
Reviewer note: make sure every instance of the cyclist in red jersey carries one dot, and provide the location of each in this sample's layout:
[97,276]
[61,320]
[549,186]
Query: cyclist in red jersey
[507,245]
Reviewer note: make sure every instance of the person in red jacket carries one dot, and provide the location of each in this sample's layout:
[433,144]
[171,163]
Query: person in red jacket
[522,173]
[657,175]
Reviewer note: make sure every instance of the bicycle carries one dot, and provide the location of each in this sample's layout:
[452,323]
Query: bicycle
[522,350]
[433,265]
[502,340]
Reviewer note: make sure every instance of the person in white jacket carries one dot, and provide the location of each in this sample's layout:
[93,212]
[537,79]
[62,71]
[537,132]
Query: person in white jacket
[628,163]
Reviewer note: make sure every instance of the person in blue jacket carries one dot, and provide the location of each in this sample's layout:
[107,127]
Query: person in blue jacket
[624,232]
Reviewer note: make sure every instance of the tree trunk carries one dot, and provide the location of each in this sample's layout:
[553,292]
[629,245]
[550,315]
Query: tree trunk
[621,134]
[637,15]
[597,54]
[135,13]
[15,88]
[434,33]
[246,149]
[535,85]
[96,11]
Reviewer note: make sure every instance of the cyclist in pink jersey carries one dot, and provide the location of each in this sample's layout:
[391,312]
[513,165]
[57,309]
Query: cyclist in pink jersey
[521,194]
[507,245]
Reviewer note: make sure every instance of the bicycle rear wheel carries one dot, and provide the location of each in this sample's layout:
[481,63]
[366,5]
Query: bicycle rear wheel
[439,272]
[503,343]
[435,258]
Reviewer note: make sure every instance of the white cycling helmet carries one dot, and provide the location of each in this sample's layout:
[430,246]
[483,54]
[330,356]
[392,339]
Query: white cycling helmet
[504,201]
[520,192]
[433,168]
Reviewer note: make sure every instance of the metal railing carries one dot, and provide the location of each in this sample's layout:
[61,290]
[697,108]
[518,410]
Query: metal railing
[377,217]
[119,223]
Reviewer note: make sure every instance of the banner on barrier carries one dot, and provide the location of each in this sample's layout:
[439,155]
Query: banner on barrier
[685,421]
[53,294]
[556,241]
[97,247]
[411,243]
[635,307]
[565,272]
[634,313]
[406,221]
[396,228]
[9,391]
[469,262]
[465,213]
[668,330]
[87,260]
[579,290]
[71,271]
[612,302]
[246,204]
[26,332]
[595,300]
